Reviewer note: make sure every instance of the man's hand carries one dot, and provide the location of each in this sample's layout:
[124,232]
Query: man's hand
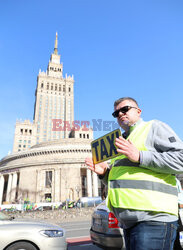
[99,168]
[127,148]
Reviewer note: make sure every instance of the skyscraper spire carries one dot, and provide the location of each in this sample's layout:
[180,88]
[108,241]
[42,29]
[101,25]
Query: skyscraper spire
[56,45]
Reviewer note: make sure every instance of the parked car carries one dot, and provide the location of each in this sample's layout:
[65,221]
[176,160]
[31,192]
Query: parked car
[89,201]
[16,234]
[179,239]
[105,231]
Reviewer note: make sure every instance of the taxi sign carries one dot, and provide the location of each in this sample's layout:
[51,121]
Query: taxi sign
[104,148]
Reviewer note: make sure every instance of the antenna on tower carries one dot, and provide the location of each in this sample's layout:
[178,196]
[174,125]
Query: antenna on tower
[56,45]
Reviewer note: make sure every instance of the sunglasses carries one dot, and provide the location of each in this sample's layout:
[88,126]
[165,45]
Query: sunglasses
[123,110]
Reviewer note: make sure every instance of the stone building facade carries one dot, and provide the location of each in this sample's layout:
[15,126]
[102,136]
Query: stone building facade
[52,169]
[48,162]
[25,135]
[54,100]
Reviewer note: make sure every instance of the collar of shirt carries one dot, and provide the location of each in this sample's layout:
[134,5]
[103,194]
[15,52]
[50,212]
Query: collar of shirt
[131,128]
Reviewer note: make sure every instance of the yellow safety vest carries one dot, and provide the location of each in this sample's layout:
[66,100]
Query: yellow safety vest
[131,186]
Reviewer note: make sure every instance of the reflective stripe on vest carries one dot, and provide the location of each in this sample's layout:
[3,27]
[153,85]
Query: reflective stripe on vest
[146,185]
[133,187]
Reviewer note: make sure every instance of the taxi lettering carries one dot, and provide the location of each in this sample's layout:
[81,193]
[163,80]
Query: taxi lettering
[104,148]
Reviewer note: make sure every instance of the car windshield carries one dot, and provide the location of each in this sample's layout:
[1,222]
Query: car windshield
[4,216]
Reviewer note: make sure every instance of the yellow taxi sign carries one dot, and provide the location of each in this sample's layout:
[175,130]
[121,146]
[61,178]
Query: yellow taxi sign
[104,148]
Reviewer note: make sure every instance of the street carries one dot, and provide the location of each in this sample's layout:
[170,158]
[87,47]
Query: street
[78,235]
[77,229]
[89,246]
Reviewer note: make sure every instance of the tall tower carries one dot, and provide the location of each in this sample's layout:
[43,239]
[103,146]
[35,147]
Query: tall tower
[54,99]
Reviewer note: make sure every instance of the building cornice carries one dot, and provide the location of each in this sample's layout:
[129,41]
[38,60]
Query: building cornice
[64,147]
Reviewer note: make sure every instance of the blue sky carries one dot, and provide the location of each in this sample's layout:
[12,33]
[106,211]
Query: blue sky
[113,48]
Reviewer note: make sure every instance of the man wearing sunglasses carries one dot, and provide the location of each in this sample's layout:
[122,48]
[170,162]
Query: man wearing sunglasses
[141,181]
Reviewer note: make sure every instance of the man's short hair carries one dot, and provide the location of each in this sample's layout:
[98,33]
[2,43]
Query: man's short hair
[124,99]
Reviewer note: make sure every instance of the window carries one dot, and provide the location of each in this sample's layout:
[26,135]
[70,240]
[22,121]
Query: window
[63,88]
[83,181]
[21,131]
[48,197]
[42,85]
[87,136]
[48,179]
[30,132]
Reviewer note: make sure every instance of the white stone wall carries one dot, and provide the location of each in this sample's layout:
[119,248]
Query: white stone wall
[27,171]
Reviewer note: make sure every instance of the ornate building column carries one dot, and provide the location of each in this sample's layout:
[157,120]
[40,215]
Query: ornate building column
[1,188]
[95,184]
[89,182]
[56,185]
[8,194]
[14,187]
[39,185]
